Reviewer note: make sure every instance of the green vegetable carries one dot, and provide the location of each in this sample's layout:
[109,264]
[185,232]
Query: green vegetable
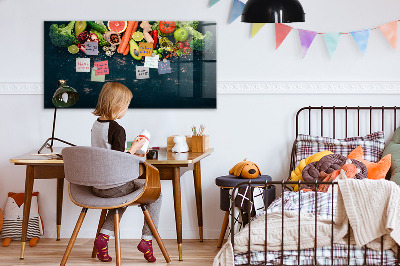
[102,42]
[183,24]
[94,26]
[201,42]
[101,23]
[63,36]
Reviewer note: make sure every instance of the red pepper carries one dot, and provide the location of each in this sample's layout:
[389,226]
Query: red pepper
[154,34]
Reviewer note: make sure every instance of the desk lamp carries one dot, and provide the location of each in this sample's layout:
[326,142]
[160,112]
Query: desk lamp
[65,96]
[273,11]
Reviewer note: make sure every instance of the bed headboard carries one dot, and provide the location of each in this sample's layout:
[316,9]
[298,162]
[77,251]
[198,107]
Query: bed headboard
[344,121]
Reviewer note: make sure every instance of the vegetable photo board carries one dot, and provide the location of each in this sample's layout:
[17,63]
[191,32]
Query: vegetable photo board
[166,64]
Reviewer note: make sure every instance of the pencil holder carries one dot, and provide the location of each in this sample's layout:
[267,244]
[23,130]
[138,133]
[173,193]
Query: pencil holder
[200,143]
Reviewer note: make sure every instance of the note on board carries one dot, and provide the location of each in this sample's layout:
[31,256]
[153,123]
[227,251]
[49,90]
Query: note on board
[102,68]
[142,72]
[164,67]
[145,49]
[98,78]
[83,65]
[92,48]
[151,62]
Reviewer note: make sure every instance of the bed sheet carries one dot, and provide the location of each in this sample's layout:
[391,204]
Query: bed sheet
[324,206]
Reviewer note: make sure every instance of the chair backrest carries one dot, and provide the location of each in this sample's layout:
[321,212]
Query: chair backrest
[92,166]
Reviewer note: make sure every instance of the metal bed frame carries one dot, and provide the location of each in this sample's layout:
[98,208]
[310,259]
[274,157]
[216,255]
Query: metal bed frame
[283,184]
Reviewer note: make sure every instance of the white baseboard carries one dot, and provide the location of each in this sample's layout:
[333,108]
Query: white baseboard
[260,87]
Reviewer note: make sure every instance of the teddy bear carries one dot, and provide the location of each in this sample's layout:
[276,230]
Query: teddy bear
[180,144]
[245,169]
[13,215]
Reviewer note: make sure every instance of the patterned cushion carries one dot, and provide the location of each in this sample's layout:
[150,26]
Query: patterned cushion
[372,144]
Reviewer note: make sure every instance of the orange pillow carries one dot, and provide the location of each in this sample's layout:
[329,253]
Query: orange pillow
[375,170]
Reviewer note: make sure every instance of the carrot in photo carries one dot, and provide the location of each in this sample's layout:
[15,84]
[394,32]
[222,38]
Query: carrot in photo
[126,50]
[132,25]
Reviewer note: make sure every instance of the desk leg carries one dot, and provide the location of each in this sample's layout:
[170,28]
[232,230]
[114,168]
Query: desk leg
[27,206]
[199,204]
[176,183]
[60,190]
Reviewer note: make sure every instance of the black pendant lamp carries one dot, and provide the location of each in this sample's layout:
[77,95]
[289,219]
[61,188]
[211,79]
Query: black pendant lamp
[273,11]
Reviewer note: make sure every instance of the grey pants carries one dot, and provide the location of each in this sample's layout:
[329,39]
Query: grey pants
[154,208]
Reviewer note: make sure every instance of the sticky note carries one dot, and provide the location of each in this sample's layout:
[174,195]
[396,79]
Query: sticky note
[142,72]
[145,49]
[92,48]
[164,67]
[98,78]
[151,62]
[83,65]
[102,68]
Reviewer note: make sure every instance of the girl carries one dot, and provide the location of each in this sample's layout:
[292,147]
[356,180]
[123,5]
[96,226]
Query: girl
[113,103]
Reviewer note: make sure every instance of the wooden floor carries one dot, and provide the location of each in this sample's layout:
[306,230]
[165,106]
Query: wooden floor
[50,252]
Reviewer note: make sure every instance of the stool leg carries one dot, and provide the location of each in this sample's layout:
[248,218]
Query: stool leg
[117,239]
[223,229]
[101,222]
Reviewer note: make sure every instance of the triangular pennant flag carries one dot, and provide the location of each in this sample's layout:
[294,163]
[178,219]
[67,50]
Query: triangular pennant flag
[213,2]
[281,31]
[255,28]
[332,41]
[237,8]
[389,30]
[306,39]
[361,37]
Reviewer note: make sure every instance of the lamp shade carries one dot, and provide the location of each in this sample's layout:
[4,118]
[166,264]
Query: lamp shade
[273,11]
[65,96]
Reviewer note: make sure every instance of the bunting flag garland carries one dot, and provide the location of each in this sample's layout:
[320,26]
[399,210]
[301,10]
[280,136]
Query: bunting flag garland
[281,31]
[332,41]
[306,39]
[237,8]
[389,30]
[256,28]
[361,38]
[213,2]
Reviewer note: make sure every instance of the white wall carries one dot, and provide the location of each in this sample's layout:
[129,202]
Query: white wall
[259,127]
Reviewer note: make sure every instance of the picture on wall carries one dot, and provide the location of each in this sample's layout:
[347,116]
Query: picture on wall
[166,64]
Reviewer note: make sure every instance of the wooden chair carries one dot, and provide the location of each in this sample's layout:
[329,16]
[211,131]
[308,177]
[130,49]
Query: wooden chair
[85,167]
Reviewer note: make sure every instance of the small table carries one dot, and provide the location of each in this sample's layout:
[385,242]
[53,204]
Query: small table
[170,165]
[226,183]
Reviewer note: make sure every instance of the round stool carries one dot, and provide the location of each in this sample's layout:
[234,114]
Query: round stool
[228,182]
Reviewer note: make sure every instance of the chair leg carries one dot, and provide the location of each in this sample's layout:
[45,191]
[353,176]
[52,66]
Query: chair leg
[223,229]
[73,237]
[154,230]
[101,222]
[117,239]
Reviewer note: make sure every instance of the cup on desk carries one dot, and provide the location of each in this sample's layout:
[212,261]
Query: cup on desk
[152,155]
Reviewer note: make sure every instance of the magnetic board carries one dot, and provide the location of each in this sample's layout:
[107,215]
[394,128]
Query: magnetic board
[191,82]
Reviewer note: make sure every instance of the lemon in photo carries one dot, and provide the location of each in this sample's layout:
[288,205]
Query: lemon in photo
[73,49]
[137,36]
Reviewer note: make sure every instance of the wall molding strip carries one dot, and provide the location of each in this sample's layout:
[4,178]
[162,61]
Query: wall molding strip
[260,87]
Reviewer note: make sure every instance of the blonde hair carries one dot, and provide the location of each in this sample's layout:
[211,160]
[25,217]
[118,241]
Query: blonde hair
[113,97]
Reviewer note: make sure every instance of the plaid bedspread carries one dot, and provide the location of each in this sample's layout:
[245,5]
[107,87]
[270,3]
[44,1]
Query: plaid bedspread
[322,205]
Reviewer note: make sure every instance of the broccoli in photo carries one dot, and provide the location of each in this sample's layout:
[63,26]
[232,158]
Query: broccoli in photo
[62,36]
